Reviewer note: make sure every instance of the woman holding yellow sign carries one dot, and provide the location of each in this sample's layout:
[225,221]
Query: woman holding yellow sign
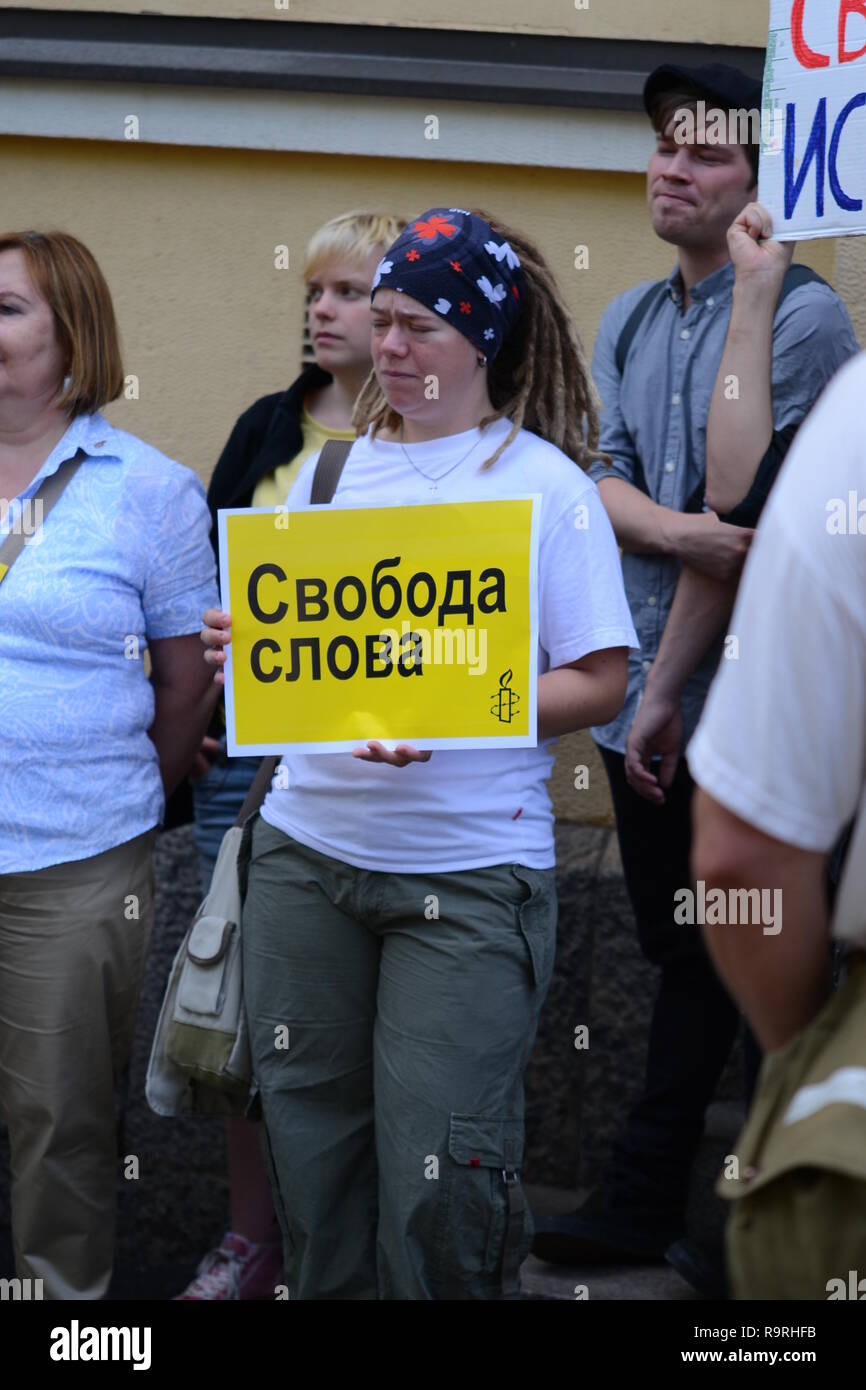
[264,454]
[399,926]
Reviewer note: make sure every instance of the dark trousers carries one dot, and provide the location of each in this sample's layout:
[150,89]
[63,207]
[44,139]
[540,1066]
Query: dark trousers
[694,1021]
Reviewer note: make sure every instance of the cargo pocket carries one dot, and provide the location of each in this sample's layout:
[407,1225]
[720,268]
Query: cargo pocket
[485,1228]
[537,920]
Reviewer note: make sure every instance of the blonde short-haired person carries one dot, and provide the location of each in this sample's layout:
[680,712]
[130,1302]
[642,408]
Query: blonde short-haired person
[264,454]
[119,568]
[409,1037]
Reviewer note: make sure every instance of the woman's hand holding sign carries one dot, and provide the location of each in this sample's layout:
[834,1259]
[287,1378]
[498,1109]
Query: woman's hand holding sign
[401,756]
[216,634]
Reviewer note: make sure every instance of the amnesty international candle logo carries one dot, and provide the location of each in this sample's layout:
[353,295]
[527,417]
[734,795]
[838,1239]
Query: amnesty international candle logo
[505,701]
[355,623]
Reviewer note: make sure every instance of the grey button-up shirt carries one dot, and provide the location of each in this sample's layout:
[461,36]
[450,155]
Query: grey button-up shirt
[657,413]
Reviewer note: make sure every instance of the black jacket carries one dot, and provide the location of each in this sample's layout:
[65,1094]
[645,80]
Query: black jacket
[266,435]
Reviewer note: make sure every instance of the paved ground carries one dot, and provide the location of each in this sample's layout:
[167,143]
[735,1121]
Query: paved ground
[649,1283]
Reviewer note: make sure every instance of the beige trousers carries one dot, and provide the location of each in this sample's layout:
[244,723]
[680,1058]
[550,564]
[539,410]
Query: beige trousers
[73,942]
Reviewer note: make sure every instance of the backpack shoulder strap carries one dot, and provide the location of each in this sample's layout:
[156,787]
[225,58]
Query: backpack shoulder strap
[795,276]
[328,469]
[48,493]
[634,321]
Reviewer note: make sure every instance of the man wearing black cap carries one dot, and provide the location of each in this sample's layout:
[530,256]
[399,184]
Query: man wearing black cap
[657,357]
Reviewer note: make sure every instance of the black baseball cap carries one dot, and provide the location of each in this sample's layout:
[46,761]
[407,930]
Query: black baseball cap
[730,87]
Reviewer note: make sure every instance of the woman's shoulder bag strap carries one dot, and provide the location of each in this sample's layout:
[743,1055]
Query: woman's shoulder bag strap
[328,469]
[259,788]
[47,493]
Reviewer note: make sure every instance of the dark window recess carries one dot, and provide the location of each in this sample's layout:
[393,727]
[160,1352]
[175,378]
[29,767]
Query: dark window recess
[358,59]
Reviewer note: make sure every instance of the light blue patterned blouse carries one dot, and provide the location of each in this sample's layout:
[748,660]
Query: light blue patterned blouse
[124,557]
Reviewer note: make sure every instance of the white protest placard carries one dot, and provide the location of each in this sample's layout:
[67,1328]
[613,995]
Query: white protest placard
[813,179]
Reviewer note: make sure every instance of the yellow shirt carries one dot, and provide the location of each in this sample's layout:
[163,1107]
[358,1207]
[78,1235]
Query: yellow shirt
[273,489]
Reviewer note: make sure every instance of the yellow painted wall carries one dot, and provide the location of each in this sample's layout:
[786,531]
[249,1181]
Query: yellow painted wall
[673,21]
[186,239]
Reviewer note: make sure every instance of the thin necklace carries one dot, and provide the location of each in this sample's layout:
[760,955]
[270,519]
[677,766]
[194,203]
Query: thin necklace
[434,482]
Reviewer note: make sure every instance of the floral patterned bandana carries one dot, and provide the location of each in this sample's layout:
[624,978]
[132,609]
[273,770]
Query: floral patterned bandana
[454,263]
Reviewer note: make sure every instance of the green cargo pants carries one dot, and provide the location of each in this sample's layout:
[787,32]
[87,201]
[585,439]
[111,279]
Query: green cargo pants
[391,1019]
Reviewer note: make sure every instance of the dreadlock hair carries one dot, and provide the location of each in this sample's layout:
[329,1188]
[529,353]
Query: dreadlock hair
[540,379]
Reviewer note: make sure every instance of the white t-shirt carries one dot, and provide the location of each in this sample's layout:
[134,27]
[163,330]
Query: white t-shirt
[782,742]
[463,809]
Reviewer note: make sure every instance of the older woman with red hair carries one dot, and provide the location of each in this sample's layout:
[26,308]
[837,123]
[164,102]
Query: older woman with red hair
[104,556]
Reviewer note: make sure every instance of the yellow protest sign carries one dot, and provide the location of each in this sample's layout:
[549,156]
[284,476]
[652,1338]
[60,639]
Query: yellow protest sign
[415,624]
